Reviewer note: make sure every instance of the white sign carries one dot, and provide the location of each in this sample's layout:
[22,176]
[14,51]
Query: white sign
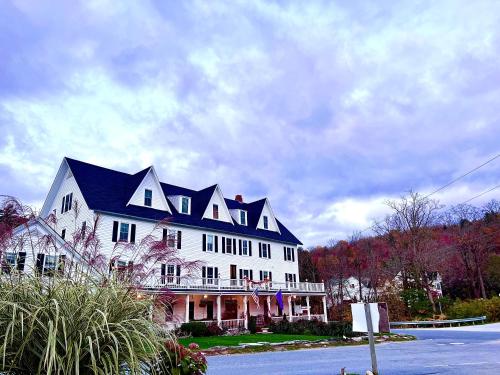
[359,317]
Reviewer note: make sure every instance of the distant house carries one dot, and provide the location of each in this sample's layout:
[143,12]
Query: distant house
[349,290]
[241,245]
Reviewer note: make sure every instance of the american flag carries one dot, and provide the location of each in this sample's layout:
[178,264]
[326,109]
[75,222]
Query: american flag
[255,296]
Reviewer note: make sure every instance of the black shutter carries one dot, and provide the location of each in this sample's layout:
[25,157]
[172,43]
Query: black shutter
[294,278]
[204,244]
[251,274]
[62,263]
[216,244]
[260,275]
[216,272]
[270,276]
[260,250]
[62,206]
[284,252]
[293,254]
[239,243]
[203,271]
[223,245]
[234,246]
[241,274]
[132,233]
[249,247]
[21,260]
[164,234]
[163,269]
[70,200]
[269,251]
[178,270]
[39,262]
[115,231]
[179,239]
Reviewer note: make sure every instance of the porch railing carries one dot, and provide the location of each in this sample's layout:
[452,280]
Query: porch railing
[178,282]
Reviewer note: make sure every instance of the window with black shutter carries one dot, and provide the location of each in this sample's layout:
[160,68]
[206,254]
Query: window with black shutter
[179,239]
[114,238]
[223,245]
[39,263]
[132,233]
[234,246]
[21,260]
[249,248]
[239,244]
[204,245]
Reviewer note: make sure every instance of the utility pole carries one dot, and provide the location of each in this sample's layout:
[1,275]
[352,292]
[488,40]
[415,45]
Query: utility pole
[371,339]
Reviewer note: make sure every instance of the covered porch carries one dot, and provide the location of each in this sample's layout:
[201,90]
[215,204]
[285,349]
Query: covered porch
[231,310]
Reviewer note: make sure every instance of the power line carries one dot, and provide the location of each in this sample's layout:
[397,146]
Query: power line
[462,176]
[481,194]
[455,180]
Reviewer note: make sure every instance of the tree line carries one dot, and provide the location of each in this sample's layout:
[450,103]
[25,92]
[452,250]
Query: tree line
[418,242]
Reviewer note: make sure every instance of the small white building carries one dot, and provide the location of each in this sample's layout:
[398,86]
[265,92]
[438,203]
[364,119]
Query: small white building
[239,245]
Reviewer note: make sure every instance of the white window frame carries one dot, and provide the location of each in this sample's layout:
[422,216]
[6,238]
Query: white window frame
[45,259]
[265,222]
[265,275]
[244,247]
[67,203]
[181,198]
[7,261]
[150,198]
[210,242]
[245,216]
[213,211]
[120,232]
[289,251]
[229,245]
[265,247]
[245,273]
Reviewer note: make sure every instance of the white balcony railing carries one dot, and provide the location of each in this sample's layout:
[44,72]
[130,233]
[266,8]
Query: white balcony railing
[177,282]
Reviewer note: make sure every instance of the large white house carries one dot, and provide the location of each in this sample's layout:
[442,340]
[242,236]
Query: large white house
[239,245]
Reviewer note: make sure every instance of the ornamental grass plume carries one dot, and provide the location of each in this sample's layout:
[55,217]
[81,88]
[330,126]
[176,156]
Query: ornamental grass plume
[66,327]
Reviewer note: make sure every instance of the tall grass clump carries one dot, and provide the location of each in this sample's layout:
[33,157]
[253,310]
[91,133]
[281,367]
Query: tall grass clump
[58,326]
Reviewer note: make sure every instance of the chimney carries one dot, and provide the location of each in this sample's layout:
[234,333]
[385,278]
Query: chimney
[239,198]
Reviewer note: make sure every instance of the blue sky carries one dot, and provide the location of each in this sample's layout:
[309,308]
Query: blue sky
[328,108]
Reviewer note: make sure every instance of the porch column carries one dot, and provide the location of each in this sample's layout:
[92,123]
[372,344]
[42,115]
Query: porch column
[269,306]
[219,319]
[187,308]
[324,310]
[290,313]
[308,308]
[245,303]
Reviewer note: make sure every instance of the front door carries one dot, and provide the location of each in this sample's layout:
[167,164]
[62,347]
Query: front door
[191,310]
[210,310]
[232,273]
[230,309]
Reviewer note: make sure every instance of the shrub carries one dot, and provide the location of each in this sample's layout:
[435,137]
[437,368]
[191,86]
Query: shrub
[468,309]
[214,330]
[195,329]
[252,324]
[417,302]
[63,327]
[180,360]
[314,327]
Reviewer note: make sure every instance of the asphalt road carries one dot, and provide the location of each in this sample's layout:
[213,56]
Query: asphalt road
[473,350]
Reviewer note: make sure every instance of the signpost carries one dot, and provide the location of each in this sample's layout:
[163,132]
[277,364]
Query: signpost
[371,318]
[371,339]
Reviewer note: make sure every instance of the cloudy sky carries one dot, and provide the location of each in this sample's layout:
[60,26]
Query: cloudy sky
[327,108]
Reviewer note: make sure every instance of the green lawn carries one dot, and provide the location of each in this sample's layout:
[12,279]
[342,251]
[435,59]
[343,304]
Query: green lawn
[208,342]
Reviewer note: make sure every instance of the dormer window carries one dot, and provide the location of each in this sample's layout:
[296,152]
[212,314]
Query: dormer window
[265,219]
[148,197]
[185,205]
[243,217]
[215,211]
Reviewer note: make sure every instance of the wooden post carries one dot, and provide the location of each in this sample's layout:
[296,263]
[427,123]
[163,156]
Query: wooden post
[219,317]
[187,308]
[245,303]
[308,308]
[290,312]
[325,313]
[371,339]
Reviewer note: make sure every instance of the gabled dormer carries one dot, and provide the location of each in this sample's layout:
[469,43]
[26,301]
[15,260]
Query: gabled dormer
[216,208]
[149,192]
[267,220]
